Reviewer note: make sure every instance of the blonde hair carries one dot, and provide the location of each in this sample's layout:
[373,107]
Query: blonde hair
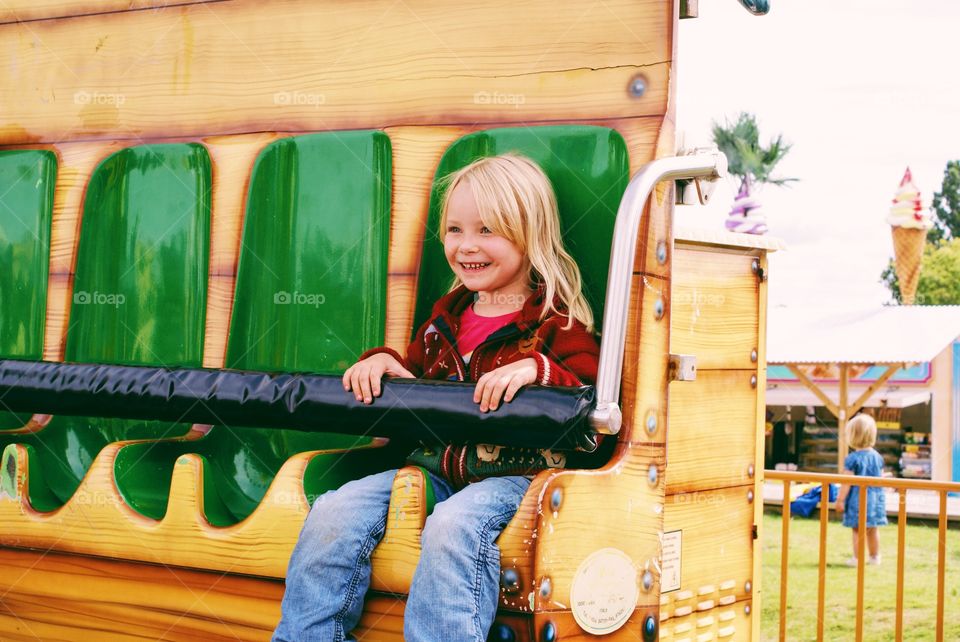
[862,432]
[516,201]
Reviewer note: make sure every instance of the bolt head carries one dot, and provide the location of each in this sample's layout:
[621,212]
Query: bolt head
[510,579]
[651,423]
[649,629]
[546,587]
[637,86]
[647,580]
[658,309]
[502,633]
[661,252]
[549,632]
[556,498]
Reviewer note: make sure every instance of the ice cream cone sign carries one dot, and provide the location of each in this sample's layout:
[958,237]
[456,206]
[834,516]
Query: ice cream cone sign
[908,224]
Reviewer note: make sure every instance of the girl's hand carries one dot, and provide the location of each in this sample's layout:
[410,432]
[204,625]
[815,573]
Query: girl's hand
[363,377]
[503,383]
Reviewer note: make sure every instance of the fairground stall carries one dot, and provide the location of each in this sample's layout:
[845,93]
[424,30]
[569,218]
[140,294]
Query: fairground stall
[900,363]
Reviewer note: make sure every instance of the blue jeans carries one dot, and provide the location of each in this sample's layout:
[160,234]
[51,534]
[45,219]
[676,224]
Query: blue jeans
[455,588]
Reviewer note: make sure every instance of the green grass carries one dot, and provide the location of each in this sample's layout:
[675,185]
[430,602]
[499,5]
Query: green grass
[880,601]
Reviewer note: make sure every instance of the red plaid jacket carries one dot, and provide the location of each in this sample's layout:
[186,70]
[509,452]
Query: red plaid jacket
[565,357]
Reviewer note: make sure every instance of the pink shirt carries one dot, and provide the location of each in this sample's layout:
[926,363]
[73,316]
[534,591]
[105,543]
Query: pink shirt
[474,329]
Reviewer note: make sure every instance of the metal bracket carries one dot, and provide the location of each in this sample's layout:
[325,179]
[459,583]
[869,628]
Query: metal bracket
[682,367]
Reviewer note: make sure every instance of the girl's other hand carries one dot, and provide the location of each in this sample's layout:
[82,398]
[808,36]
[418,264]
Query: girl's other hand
[503,383]
[363,377]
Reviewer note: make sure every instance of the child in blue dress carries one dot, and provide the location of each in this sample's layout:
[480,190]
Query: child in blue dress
[864,462]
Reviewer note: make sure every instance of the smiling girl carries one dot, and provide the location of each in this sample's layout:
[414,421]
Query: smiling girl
[515,316]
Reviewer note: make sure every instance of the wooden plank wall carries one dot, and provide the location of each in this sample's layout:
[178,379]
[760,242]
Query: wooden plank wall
[92,78]
[713,495]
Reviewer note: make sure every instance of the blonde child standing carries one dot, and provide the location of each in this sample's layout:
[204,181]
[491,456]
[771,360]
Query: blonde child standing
[515,316]
[865,461]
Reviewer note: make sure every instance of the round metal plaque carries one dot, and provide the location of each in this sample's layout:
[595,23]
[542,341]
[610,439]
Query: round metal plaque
[604,592]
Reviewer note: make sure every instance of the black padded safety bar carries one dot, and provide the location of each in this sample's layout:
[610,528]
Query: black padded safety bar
[418,409]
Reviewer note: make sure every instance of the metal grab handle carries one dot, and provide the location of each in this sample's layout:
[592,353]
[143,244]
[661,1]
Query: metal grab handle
[606,417]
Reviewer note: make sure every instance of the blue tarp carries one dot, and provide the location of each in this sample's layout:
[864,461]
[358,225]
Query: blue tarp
[805,504]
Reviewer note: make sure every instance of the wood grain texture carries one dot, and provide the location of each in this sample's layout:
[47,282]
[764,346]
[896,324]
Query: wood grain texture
[232,159]
[711,440]
[416,154]
[75,165]
[294,65]
[717,544]
[730,622]
[31,10]
[760,443]
[395,559]
[714,305]
[97,521]
[645,358]
[656,226]
[382,620]
[52,596]
[614,507]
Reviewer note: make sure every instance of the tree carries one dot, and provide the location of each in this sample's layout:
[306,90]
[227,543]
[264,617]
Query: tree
[940,277]
[746,157]
[946,206]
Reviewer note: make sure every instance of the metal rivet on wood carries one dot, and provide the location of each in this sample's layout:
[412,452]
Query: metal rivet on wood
[637,86]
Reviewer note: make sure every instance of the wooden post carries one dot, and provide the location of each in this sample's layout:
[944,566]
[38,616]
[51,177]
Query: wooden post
[842,416]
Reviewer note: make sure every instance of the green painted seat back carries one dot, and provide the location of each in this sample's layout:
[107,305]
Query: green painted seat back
[27,179]
[310,296]
[139,297]
[589,169]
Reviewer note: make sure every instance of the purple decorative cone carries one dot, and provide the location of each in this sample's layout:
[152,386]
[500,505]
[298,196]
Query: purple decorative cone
[746,215]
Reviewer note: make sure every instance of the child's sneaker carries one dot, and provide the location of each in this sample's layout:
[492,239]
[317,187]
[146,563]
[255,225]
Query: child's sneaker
[851,562]
[873,559]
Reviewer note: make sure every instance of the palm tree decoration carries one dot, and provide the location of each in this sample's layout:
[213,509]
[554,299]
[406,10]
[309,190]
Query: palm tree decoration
[754,164]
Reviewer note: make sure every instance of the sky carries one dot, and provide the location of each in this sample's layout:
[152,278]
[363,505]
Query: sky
[862,90]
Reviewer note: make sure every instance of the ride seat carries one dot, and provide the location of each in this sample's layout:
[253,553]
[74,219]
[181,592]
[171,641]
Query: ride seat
[310,297]
[589,169]
[139,298]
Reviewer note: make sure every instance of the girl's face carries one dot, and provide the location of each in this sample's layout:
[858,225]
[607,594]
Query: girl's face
[486,263]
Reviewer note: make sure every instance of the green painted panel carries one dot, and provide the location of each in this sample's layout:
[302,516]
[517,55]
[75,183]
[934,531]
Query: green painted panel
[140,292]
[310,296]
[139,298]
[311,284]
[27,179]
[589,169]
